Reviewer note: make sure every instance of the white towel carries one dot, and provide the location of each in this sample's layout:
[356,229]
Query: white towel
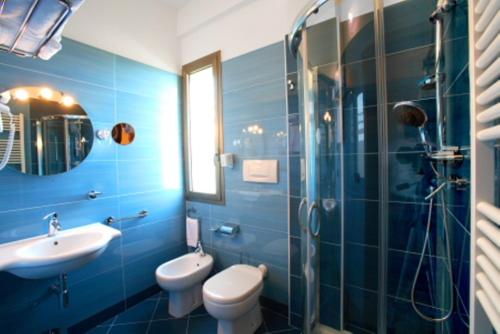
[192,231]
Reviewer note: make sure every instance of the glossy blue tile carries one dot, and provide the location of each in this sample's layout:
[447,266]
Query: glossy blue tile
[296,178]
[143,240]
[291,62]
[202,324]
[330,217]
[296,297]
[359,85]
[357,38]
[363,218]
[295,256]
[263,65]
[361,176]
[241,209]
[402,317]
[330,303]
[407,26]
[154,203]
[134,77]
[293,90]
[458,120]
[294,228]
[107,290]
[20,224]
[456,24]
[276,285]
[257,244]
[169,326]
[75,61]
[31,191]
[360,309]
[404,72]
[129,329]
[141,312]
[456,66]
[410,177]
[329,267]
[271,141]
[140,275]
[294,136]
[263,101]
[142,176]
[362,268]
[98,102]
[360,130]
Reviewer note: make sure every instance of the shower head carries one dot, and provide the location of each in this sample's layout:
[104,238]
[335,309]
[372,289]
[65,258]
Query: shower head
[410,113]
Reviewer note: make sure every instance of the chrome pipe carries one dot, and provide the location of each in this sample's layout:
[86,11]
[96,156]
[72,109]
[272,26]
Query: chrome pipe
[440,112]
[300,21]
[24,25]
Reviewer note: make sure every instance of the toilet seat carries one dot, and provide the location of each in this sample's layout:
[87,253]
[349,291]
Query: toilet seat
[233,285]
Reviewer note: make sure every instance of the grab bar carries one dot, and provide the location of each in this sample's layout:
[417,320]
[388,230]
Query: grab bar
[142,214]
[299,22]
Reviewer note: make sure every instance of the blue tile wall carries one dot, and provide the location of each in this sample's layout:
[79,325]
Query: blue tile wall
[146,175]
[410,56]
[253,94]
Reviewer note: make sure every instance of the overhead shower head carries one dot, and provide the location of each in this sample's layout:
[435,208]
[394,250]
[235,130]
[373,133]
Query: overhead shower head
[410,113]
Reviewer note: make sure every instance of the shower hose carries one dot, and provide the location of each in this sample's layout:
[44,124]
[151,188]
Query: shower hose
[447,263]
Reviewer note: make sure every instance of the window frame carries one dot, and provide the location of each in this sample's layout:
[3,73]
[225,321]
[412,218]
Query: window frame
[212,60]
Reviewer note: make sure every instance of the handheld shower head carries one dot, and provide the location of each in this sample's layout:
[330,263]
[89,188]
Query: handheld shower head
[411,114]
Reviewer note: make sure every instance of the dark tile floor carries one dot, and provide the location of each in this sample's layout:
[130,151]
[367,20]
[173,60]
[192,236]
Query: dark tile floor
[151,317]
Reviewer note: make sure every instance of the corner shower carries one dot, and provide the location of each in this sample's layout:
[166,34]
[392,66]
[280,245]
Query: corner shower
[383,184]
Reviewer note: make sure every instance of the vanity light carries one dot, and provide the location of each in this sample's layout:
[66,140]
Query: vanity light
[21,95]
[67,101]
[46,93]
[350,16]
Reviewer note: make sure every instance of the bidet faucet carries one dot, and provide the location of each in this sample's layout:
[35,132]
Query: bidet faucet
[199,249]
[54,225]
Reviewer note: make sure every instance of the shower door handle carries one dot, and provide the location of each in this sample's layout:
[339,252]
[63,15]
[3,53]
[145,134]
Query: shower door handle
[312,208]
[301,206]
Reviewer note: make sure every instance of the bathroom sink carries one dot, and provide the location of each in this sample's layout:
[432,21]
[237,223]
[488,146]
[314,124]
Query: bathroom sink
[44,257]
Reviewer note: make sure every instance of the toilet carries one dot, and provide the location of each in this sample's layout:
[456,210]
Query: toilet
[232,297]
[183,278]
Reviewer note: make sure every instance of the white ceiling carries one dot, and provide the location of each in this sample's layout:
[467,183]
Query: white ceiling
[176,3]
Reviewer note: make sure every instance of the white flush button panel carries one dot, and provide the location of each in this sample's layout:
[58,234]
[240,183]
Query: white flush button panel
[261,171]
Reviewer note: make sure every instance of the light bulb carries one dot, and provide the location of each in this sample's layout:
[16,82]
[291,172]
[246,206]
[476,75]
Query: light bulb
[67,101]
[46,93]
[21,94]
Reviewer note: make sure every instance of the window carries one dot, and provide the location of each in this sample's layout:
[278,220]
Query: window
[203,129]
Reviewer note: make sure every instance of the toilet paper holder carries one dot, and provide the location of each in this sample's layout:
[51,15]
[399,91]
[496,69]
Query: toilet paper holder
[227,229]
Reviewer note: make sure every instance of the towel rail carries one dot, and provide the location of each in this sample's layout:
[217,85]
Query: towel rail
[141,214]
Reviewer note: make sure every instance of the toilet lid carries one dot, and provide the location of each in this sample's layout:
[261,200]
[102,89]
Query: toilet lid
[233,284]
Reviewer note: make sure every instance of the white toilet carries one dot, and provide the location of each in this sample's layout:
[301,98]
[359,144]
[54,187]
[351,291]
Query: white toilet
[182,278]
[232,297]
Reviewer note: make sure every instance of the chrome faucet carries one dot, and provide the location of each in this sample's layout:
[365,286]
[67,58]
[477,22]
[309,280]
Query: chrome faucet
[199,249]
[54,225]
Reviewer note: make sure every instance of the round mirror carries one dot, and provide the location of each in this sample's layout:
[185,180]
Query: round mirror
[46,131]
[123,133]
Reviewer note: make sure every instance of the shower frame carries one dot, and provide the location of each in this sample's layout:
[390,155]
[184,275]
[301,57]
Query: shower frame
[298,45]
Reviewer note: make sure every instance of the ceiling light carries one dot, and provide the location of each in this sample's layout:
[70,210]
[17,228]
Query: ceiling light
[46,93]
[21,95]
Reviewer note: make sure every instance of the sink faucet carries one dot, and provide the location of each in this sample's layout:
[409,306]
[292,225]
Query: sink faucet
[199,249]
[54,224]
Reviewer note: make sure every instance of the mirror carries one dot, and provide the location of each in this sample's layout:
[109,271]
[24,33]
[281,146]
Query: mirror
[123,133]
[53,134]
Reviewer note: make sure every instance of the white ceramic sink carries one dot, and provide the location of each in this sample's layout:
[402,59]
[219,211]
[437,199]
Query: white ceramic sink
[43,256]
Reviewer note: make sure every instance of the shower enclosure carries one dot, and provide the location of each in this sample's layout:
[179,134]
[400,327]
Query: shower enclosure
[378,102]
